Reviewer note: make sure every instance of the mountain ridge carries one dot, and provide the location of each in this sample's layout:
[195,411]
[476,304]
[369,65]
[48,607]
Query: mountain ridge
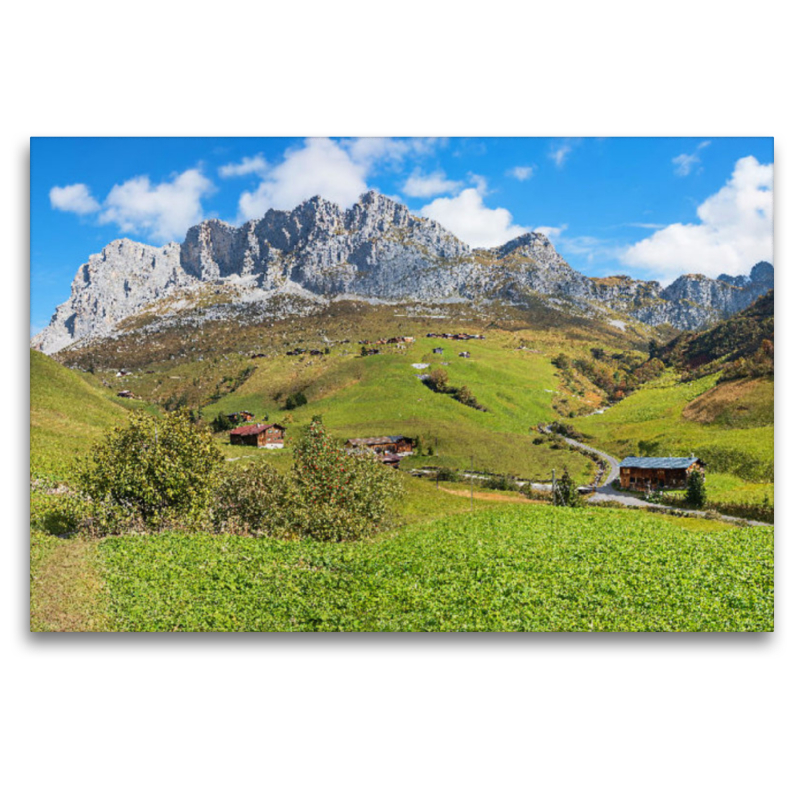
[375,249]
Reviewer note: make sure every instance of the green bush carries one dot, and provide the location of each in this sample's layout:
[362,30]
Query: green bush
[566,493]
[155,471]
[696,489]
[341,496]
[255,499]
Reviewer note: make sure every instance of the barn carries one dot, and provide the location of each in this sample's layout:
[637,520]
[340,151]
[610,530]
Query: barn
[398,445]
[269,436]
[643,474]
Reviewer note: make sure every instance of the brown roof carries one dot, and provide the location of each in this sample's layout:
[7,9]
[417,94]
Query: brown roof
[252,430]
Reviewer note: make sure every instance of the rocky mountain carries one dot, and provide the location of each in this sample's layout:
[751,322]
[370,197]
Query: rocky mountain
[375,250]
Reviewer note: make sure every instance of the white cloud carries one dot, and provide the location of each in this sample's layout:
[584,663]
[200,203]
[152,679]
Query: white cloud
[249,165]
[552,233]
[372,150]
[520,173]
[75,198]
[468,218]
[685,162]
[336,170]
[420,185]
[318,167]
[734,233]
[559,152]
[162,211]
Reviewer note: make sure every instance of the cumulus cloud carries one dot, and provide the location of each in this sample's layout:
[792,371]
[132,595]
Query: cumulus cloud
[249,165]
[319,167]
[419,184]
[162,211]
[734,232]
[336,170]
[159,212]
[75,198]
[552,233]
[686,162]
[471,220]
[520,173]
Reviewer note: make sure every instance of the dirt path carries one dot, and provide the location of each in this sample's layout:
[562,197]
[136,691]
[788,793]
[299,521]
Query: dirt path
[500,498]
[67,588]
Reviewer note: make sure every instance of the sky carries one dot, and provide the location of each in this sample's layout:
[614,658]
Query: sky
[652,208]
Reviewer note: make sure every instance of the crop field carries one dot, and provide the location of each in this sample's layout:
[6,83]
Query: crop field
[523,568]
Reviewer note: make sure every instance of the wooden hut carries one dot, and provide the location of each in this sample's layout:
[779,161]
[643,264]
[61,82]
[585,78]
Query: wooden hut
[269,436]
[383,445]
[644,474]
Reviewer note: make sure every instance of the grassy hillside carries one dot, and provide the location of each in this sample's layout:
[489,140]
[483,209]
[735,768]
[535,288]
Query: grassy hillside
[68,414]
[661,419]
[510,372]
[520,568]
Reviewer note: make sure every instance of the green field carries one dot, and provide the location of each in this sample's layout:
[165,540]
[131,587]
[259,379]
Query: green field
[531,568]
[440,562]
[68,414]
[652,421]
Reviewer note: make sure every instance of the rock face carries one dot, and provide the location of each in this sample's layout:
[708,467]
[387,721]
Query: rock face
[376,249]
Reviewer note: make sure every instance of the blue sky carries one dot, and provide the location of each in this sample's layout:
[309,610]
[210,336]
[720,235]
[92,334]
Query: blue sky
[653,208]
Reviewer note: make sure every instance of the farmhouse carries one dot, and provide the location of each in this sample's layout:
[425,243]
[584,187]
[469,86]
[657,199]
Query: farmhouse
[383,445]
[642,474]
[240,416]
[269,436]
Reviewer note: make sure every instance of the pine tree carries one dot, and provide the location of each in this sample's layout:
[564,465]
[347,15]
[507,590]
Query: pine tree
[696,489]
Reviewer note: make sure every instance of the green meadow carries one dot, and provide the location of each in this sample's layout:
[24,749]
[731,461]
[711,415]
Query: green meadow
[520,568]
[653,421]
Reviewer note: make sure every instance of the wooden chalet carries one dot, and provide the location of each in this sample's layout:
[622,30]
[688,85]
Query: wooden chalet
[241,416]
[383,445]
[645,474]
[263,435]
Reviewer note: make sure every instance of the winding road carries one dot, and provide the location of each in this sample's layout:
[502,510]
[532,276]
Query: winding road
[605,491]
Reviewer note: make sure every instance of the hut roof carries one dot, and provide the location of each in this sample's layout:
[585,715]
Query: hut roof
[252,430]
[659,463]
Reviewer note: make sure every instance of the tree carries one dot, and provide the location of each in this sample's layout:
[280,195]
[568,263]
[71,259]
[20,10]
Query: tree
[341,496]
[566,491]
[153,471]
[438,380]
[696,489]
[465,396]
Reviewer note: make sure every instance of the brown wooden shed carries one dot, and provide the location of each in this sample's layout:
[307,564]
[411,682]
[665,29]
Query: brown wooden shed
[643,474]
[270,436]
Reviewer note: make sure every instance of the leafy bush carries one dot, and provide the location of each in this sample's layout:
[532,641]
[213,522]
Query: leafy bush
[222,423]
[505,483]
[696,489]
[154,471]
[566,493]
[295,401]
[341,496]
[255,499]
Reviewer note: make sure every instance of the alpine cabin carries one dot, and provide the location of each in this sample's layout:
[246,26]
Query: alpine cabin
[647,474]
[383,445]
[269,436]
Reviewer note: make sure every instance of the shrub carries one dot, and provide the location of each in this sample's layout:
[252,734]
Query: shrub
[156,471]
[566,493]
[255,499]
[221,423]
[341,496]
[437,380]
[506,483]
[696,489]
